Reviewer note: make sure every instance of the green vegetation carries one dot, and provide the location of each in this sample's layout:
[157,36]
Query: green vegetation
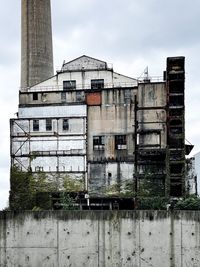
[33,192]
[29,192]
[152,203]
[188,203]
[72,185]
[68,203]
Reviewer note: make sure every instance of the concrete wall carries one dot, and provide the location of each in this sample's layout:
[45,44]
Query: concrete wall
[152,115]
[100,238]
[55,97]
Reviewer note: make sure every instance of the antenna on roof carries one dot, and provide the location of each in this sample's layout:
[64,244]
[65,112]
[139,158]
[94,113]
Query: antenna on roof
[144,77]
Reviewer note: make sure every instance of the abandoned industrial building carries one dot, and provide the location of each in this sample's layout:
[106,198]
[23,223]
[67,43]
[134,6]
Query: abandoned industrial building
[93,132]
[90,129]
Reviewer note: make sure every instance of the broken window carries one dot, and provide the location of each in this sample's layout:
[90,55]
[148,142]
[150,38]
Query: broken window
[68,85]
[97,84]
[98,142]
[65,124]
[48,124]
[120,142]
[35,96]
[36,125]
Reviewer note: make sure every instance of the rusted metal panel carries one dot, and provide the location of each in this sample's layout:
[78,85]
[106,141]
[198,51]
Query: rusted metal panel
[93,99]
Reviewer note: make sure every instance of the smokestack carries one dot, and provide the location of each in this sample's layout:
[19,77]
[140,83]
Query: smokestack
[36,42]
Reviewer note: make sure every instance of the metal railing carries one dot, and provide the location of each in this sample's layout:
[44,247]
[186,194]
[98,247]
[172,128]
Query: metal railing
[38,88]
[47,88]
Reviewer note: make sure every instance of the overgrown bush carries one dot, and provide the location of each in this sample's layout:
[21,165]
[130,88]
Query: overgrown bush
[27,190]
[188,203]
[155,203]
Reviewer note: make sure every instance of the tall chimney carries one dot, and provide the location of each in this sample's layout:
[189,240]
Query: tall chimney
[36,42]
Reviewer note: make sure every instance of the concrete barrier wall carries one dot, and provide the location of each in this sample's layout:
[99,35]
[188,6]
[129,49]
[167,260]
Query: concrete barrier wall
[100,238]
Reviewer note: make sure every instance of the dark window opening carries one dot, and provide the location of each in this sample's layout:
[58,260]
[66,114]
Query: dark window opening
[175,122]
[176,190]
[79,96]
[176,87]
[98,142]
[176,155]
[97,84]
[176,142]
[176,100]
[176,168]
[176,76]
[175,64]
[176,130]
[36,125]
[48,124]
[120,142]
[68,85]
[65,124]
[176,112]
[35,96]
[109,177]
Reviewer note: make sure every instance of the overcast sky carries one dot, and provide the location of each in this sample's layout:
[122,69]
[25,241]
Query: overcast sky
[131,34]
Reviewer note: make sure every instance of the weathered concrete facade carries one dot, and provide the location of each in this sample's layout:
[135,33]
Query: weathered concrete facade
[100,238]
[36,42]
[116,135]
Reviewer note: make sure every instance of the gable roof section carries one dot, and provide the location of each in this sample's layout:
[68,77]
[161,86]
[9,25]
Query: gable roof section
[84,62]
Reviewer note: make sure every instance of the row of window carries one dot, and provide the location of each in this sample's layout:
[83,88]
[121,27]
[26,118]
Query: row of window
[95,84]
[99,142]
[71,84]
[36,125]
[78,97]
